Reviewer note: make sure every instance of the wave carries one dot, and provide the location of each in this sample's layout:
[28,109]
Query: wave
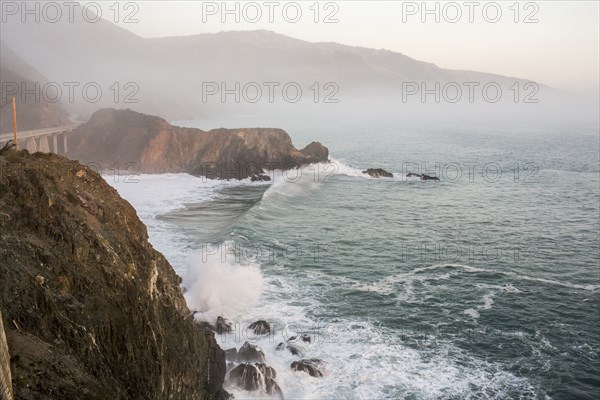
[216,285]
[294,182]
[488,301]
[388,285]
[470,269]
[365,358]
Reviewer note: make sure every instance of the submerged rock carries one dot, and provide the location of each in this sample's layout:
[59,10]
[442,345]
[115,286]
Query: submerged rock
[260,178]
[295,345]
[378,173]
[260,327]
[295,350]
[306,338]
[250,353]
[423,177]
[314,367]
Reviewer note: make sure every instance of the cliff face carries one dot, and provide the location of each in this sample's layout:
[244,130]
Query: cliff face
[151,145]
[90,309]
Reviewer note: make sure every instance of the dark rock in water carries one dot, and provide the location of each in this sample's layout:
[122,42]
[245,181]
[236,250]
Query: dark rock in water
[266,371]
[231,354]
[260,178]
[273,388]
[253,377]
[294,345]
[316,152]
[423,177]
[250,353]
[378,173]
[260,327]
[295,350]
[314,367]
[108,320]
[223,325]
[246,377]
[305,338]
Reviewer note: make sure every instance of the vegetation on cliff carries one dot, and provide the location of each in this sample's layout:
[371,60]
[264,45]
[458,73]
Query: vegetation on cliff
[90,309]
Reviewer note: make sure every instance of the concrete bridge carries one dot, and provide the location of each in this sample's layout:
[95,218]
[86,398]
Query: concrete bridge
[47,140]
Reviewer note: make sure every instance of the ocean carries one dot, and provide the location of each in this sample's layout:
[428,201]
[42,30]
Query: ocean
[483,285]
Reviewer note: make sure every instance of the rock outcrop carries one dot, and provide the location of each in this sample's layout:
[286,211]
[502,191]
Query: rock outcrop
[135,142]
[314,367]
[315,152]
[260,327]
[95,312]
[223,325]
[378,173]
[256,377]
[250,353]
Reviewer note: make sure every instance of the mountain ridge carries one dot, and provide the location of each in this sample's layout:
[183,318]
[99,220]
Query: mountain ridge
[170,71]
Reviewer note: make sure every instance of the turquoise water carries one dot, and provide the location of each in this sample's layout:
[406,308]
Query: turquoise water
[483,285]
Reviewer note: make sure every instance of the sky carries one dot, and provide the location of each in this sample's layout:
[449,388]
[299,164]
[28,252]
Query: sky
[553,42]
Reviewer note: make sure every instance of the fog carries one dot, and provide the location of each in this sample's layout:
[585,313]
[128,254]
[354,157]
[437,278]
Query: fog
[266,77]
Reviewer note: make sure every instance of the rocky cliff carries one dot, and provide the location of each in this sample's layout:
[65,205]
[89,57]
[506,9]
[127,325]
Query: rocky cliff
[91,310]
[149,144]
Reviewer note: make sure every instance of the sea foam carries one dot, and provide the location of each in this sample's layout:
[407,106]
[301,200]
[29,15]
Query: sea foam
[217,285]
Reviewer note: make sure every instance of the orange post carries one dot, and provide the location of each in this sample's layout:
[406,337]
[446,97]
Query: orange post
[14,107]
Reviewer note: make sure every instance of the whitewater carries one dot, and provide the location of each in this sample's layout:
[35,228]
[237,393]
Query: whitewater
[321,253]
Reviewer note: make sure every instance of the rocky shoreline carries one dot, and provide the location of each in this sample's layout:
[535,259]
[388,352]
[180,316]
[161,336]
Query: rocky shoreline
[248,368]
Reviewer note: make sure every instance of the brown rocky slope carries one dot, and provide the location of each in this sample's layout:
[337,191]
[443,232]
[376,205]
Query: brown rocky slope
[90,309]
[128,140]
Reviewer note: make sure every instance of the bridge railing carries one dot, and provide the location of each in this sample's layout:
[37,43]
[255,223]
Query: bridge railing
[38,139]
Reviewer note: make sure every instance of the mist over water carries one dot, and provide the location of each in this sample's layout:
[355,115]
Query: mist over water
[217,288]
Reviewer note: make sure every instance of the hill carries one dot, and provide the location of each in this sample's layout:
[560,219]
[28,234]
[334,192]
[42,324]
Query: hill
[149,144]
